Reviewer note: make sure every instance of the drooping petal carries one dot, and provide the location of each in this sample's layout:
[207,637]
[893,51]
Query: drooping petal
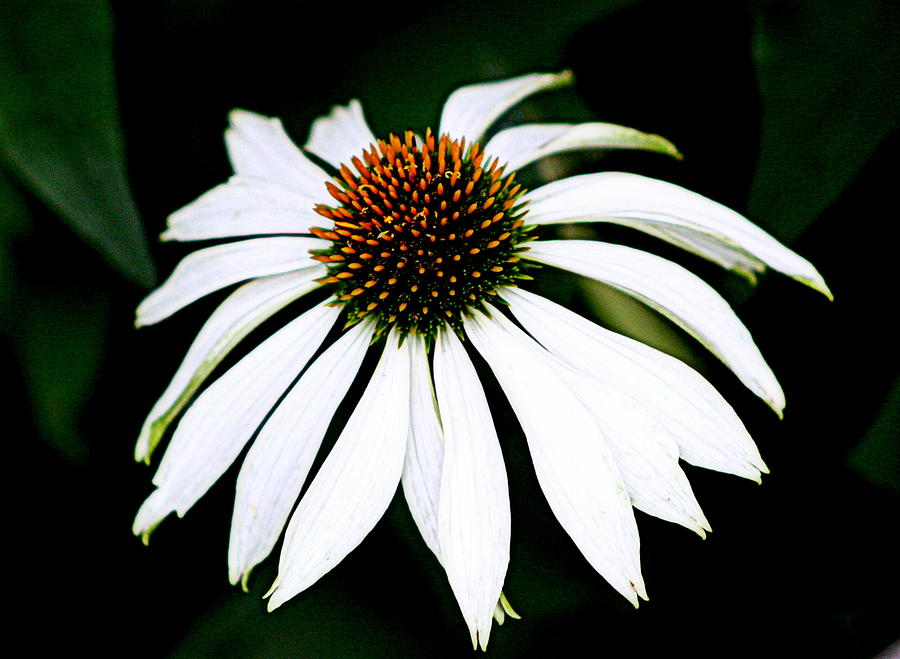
[425,447]
[521,145]
[356,482]
[244,206]
[470,110]
[259,147]
[645,453]
[236,317]
[279,460]
[224,417]
[574,467]
[676,293]
[705,427]
[207,270]
[672,213]
[473,513]
[340,135]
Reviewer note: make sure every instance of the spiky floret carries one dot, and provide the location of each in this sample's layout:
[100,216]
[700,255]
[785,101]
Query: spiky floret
[421,233]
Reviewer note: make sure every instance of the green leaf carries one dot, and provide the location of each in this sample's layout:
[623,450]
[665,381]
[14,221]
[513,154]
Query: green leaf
[828,81]
[877,457]
[59,126]
[61,339]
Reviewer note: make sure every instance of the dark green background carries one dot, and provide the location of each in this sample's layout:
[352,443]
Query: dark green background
[111,117]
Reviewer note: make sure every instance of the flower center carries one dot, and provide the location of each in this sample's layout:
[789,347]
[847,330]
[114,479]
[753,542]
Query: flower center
[421,233]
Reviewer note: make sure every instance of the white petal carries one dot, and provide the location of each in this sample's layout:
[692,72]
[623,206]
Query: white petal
[473,514]
[353,488]
[258,146]
[674,292]
[520,145]
[236,317]
[340,135]
[645,453]
[660,207]
[425,447]
[279,460]
[244,206]
[470,110]
[207,270]
[573,464]
[216,427]
[705,427]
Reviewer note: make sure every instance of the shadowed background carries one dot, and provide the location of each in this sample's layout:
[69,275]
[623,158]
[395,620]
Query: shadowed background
[111,117]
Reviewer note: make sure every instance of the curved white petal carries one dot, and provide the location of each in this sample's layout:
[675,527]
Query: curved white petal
[473,513]
[645,453]
[425,447]
[236,317]
[470,110]
[244,206]
[574,467]
[520,145]
[353,488]
[705,427]
[216,427]
[674,292]
[279,460]
[668,212]
[259,147]
[340,135]
[207,270]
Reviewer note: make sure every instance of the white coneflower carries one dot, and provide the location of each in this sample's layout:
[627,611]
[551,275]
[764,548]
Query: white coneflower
[422,242]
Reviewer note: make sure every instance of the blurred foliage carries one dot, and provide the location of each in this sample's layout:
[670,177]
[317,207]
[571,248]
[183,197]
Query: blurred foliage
[877,457]
[59,123]
[782,108]
[830,90]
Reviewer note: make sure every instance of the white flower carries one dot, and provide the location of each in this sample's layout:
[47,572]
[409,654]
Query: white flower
[422,242]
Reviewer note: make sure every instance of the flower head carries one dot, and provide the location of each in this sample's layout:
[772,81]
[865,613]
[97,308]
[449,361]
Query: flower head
[421,244]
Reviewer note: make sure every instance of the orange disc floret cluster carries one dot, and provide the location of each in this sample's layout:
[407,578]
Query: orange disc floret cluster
[421,233]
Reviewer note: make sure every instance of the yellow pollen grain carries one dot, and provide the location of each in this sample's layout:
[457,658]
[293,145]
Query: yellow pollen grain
[378,268]
[474,251]
[402,306]
[468,233]
[414,288]
[370,283]
[476,274]
[371,306]
[497,268]
[344,275]
[452,292]
[357,291]
[382,296]
[485,224]
[354,266]
[434,293]
[424,309]
[392,281]
[493,244]
[452,279]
